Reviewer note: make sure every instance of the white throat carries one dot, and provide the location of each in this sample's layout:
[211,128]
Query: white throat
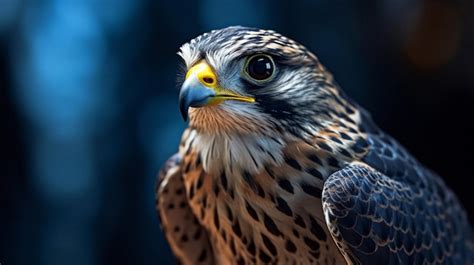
[234,152]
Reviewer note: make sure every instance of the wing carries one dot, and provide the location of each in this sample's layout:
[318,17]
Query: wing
[375,219]
[187,238]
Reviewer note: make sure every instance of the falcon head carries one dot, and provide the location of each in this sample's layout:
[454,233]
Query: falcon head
[247,81]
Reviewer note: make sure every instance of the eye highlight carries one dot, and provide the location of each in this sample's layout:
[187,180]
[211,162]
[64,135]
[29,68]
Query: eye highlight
[259,67]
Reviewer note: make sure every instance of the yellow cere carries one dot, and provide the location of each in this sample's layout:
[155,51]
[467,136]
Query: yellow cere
[206,76]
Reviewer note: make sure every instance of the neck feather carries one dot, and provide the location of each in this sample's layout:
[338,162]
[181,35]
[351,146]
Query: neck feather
[233,152]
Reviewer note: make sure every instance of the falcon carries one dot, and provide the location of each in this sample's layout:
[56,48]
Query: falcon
[279,166]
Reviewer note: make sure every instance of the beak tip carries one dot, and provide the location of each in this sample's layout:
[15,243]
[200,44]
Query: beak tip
[184,111]
[185,117]
[193,94]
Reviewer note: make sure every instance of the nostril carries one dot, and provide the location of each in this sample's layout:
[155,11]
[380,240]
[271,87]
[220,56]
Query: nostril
[208,80]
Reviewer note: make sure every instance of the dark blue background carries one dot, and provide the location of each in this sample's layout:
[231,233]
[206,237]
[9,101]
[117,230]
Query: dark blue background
[89,105]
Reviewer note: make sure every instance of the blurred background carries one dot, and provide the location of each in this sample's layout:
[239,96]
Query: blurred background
[89,105]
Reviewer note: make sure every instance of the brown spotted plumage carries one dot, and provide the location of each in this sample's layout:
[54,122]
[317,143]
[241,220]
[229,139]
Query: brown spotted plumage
[278,166]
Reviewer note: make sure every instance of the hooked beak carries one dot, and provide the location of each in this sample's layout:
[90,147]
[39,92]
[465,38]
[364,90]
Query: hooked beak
[200,89]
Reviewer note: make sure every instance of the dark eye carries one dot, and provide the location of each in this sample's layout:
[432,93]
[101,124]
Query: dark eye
[260,67]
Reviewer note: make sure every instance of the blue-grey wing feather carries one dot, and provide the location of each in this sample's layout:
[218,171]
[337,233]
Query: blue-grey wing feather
[378,220]
[388,209]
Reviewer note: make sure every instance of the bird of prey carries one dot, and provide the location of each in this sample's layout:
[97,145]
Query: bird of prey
[279,166]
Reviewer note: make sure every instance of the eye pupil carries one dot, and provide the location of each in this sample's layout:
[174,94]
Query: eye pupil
[260,67]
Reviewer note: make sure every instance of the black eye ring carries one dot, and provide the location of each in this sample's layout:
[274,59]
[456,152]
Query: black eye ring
[260,67]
